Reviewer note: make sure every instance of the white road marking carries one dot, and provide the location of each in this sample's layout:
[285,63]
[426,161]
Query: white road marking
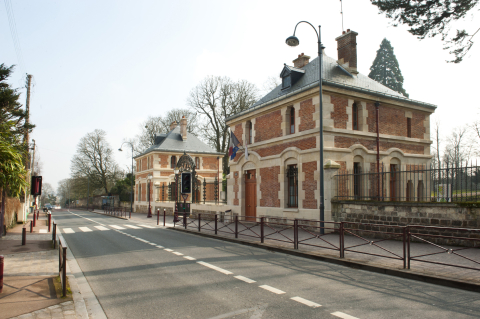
[153,244]
[271,289]
[101,227]
[168,225]
[85,229]
[189,258]
[43,231]
[223,271]
[117,227]
[177,253]
[170,250]
[146,226]
[306,302]
[68,231]
[159,246]
[342,315]
[134,227]
[145,241]
[245,279]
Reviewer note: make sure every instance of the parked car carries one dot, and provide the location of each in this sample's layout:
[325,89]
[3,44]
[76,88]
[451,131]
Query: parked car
[47,207]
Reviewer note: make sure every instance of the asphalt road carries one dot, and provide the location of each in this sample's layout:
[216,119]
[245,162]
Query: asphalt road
[159,273]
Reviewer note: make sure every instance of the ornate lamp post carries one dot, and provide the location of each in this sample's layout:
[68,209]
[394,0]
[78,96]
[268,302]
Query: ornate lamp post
[149,188]
[131,180]
[293,42]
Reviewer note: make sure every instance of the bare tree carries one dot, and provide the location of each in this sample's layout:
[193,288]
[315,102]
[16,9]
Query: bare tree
[48,194]
[458,148]
[94,161]
[217,98]
[270,84]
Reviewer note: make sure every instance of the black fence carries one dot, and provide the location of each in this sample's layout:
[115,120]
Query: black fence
[410,183]
[202,192]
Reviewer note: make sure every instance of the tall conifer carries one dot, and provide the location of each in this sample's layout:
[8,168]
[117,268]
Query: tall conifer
[385,68]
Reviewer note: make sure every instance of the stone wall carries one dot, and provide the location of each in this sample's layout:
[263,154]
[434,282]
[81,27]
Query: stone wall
[387,214]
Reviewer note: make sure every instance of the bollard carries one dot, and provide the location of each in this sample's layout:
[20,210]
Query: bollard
[34,219]
[24,236]
[199,221]
[1,273]
[31,227]
[216,223]
[54,235]
[236,226]
[185,220]
[49,221]
[38,214]
[158,216]
[262,222]
[164,215]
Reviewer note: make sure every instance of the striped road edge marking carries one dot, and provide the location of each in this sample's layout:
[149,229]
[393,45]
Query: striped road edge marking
[68,231]
[153,244]
[342,315]
[306,302]
[147,226]
[248,280]
[271,289]
[116,227]
[177,253]
[223,271]
[134,227]
[145,241]
[101,227]
[189,258]
[85,229]
[160,246]
[170,250]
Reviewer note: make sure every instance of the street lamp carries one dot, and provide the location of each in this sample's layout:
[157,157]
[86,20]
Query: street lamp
[293,42]
[149,188]
[131,180]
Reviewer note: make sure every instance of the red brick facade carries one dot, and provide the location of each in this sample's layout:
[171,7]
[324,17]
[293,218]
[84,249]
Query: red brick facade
[270,186]
[239,133]
[309,185]
[303,144]
[307,108]
[339,114]
[346,142]
[211,162]
[163,160]
[267,126]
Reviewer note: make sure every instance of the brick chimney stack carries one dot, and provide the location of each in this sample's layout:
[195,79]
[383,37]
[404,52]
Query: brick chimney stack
[301,61]
[183,128]
[173,125]
[347,50]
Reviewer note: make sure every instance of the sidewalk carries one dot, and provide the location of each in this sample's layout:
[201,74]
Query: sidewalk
[31,285]
[387,251]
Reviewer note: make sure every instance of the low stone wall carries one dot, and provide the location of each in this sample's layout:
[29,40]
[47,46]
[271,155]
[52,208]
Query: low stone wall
[385,214]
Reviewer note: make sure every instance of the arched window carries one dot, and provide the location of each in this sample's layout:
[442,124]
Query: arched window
[355,117]
[197,163]
[173,162]
[249,128]
[292,186]
[292,120]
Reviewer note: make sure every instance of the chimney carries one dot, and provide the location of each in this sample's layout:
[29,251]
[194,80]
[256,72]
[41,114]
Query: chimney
[173,125]
[347,50]
[301,61]
[183,128]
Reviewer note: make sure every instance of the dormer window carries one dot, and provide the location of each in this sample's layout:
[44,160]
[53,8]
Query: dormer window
[290,75]
[286,82]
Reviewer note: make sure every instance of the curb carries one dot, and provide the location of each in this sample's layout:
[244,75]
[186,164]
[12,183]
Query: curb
[124,218]
[407,274]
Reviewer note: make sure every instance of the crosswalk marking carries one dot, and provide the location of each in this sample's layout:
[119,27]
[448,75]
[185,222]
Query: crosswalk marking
[68,231]
[43,231]
[306,302]
[85,229]
[159,246]
[134,227]
[271,289]
[245,279]
[223,271]
[117,227]
[146,226]
[342,315]
[177,253]
[189,258]
[101,227]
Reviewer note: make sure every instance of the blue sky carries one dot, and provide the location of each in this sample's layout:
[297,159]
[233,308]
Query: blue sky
[111,64]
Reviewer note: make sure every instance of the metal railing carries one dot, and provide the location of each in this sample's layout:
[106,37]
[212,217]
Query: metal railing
[410,183]
[116,211]
[202,192]
[397,243]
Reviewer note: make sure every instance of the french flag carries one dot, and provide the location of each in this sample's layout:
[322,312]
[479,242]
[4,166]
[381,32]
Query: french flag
[232,150]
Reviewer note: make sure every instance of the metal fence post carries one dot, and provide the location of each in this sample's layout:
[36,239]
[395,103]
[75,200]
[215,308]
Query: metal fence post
[216,222]
[158,216]
[1,273]
[262,221]
[64,271]
[199,221]
[408,247]
[404,237]
[342,240]
[164,216]
[185,220]
[236,226]
[295,234]
[24,236]
[54,235]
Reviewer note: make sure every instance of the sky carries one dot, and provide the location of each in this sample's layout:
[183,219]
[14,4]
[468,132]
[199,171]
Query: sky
[110,64]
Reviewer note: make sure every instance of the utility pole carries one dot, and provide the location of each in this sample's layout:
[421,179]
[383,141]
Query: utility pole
[33,170]
[26,143]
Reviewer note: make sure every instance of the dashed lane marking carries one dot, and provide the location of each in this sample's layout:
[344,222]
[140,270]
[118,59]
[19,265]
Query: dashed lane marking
[101,227]
[160,246]
[117,227]
[153,244]
[248,280]
[223,271]
[85,229]
[306,302]
[170,250]
[189,258]
[134,227]
[147,226]
[342,315]
[271,289]
[68,231]
[177,253]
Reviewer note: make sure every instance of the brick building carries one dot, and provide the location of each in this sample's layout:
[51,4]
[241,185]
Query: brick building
[281,177]
[159,162]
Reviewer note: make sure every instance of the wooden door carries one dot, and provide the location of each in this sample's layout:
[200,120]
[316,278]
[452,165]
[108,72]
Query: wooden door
[393,182]
[250,195]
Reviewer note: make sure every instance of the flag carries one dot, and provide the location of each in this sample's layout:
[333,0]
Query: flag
[232,151]
[246,152]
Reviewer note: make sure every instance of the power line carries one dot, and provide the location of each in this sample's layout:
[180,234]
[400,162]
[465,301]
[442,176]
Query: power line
[13,32]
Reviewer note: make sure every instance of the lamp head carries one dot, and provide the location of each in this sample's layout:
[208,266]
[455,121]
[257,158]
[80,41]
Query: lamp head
[120,149]
[292,41]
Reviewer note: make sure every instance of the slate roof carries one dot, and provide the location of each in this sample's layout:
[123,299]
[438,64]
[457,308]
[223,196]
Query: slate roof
[172,142]
[333,74]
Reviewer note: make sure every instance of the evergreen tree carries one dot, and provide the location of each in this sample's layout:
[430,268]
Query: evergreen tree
[385,68]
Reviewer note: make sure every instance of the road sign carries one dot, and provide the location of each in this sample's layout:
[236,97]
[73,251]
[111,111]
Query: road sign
[184,196]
